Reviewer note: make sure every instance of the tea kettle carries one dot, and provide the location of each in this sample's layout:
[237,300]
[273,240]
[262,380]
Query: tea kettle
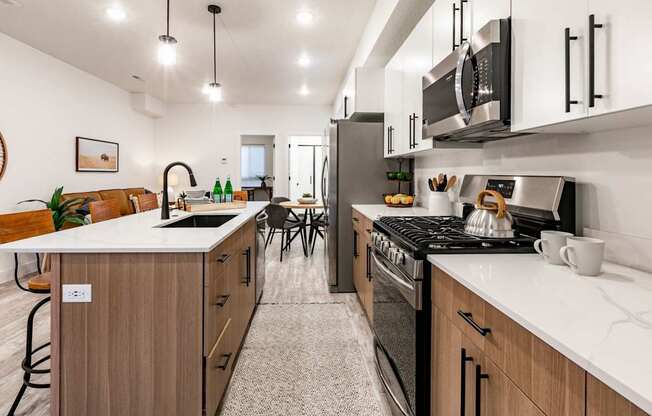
[490,219]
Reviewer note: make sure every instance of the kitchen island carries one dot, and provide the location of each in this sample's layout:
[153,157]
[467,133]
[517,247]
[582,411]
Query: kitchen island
[170,305]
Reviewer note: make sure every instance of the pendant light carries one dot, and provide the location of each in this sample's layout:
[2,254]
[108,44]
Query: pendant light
[214,89]
[167,53]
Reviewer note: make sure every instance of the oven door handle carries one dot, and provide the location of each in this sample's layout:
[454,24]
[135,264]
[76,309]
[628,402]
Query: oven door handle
[414,290]
[383,379]
[464,51]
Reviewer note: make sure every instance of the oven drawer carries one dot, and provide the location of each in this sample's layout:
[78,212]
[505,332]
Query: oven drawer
[548,378]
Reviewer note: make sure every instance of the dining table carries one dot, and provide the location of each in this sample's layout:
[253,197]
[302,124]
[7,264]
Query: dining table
[309,214]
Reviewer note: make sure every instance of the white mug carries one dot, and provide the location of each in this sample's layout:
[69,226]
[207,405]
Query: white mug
[550,243]
[584,255]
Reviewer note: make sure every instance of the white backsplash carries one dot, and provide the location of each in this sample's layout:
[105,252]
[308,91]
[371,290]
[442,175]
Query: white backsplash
[613,172]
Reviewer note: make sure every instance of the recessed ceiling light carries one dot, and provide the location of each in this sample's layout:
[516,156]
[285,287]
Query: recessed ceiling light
[304,90]
[305,18]
[304,60]
[116,13]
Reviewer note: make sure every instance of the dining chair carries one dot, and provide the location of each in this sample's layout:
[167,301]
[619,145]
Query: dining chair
[104,210]
[278,199]
[15,227]
[318,227]
[147,202]
[277,221]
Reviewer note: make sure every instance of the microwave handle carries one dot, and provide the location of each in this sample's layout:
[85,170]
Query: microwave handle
[464,50]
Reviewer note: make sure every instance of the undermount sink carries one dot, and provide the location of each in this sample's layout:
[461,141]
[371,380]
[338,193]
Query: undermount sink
[201,221]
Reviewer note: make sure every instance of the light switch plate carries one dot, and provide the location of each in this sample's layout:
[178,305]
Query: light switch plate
[76,293]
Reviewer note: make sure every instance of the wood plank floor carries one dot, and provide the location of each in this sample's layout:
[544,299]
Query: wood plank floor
[296,280]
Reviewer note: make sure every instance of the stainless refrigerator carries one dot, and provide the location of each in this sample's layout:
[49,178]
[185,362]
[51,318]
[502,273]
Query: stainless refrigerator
[353,172]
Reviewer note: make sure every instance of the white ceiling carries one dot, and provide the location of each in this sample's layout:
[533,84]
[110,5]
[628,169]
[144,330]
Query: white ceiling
[259,42]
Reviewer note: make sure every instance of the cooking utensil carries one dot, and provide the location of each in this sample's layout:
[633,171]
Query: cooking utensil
[451,183]
[490,219]
[431,185]
[442,185]
[440,178]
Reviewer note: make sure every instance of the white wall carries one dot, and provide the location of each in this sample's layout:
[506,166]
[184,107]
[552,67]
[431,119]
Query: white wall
[44,105]
[202,134]
[613,171]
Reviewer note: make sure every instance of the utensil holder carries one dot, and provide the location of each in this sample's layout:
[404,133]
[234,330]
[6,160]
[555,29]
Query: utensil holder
[440,204]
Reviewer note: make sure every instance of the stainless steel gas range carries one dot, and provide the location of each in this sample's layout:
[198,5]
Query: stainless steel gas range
[401,275]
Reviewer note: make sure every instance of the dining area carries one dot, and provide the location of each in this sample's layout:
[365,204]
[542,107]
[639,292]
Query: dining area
[305,219]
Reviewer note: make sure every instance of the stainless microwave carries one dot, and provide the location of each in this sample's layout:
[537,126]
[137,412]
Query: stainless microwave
[466,97]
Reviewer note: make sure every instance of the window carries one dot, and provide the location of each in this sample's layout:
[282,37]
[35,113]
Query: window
[252,159]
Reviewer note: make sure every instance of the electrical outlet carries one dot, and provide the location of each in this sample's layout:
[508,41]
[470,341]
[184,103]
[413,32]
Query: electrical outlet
[76,293]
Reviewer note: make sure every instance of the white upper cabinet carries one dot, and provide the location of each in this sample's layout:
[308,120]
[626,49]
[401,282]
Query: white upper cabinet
[394,107]
[444,37]
[560,81]
[416,54]
[622,71]
[362,94]
[539,60]
[482,11]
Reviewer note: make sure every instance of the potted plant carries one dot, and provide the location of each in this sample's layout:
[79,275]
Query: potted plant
[307,199]
[63,211]
[263,180]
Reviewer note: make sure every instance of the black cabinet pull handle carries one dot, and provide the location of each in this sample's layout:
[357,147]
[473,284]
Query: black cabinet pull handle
[247,254]
[410,131]
[222,300]
[479,376]
[227,359]
[355,244]
[468,317]
[387,141]
[465,359]
[368,262]
[223,258]
[414,129]
[567,99]
[462,38]
[592,27]
[346,102]
[455,9]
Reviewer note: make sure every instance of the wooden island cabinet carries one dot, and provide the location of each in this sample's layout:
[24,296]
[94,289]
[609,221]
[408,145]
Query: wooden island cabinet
[484,363]
[161,334]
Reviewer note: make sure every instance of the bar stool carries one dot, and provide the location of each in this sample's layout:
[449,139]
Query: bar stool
[19,226]
[104,210]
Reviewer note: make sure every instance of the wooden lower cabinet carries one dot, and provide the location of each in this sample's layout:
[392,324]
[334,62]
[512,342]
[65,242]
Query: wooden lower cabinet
[524,375]
[603,401]
[362,281]
[219,366]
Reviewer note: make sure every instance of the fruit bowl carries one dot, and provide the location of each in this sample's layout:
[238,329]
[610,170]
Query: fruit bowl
[307,200]
[398,200]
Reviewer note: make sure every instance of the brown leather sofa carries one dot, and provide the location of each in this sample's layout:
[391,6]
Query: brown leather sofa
[121,195]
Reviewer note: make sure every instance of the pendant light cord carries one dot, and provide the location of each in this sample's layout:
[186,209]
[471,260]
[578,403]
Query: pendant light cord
[168,20]
[214,51]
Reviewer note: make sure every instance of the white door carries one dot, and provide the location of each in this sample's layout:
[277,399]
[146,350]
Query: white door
[417,60]
[622,73]
[538,62]
[305,170]
[482,11]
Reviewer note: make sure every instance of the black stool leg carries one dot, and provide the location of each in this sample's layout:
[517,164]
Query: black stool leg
[27,364]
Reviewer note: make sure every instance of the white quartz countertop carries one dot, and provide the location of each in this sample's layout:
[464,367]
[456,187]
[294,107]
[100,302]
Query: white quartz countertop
[138,233]
[375,211]
[603,324]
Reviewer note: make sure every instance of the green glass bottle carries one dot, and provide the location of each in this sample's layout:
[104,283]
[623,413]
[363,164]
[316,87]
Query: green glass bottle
[217,191]
[228,190]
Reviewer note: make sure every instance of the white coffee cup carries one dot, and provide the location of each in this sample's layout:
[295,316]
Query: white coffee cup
[550,243]
[584,255]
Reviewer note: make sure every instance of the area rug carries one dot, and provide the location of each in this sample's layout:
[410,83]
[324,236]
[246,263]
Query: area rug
[301,359]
